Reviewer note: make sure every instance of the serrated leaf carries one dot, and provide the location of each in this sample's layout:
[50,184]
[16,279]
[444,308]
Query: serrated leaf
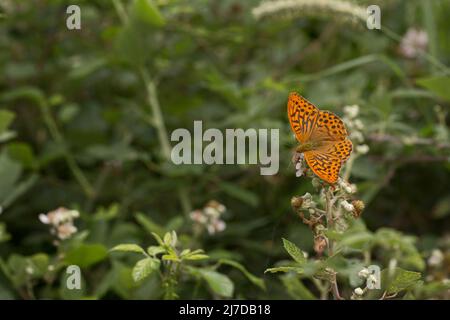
[294,252]
[128,247]
[400,279]
[143,268]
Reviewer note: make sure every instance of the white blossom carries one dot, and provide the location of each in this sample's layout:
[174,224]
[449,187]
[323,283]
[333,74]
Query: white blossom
[363,273]
[347,206]
[436,258]
[351,111]
[359,292]
[362,149]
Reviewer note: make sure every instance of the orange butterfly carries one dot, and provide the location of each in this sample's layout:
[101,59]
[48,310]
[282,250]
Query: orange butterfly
[322,136]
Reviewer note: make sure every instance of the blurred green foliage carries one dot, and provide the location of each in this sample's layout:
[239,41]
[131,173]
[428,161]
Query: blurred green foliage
[86,117]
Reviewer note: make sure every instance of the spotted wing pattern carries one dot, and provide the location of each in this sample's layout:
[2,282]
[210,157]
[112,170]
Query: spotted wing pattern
[327,160]
[325,131]
[302,116]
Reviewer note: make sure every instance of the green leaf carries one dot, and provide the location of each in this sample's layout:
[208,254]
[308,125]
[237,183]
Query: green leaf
[129,247]
[86,255]
[158,239]
[144,268]
[22,153]
[196,257]
[253,279]
[219,283]
[4,235]
[40,262]
[438,85]
[399,279]
[6,117]
[146,11]
[154,250]
[294,252]
[170,257]
[10,172]
[285,269]
[296,288]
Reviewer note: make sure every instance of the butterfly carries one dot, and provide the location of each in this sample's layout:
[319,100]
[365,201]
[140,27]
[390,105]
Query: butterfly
[322,136]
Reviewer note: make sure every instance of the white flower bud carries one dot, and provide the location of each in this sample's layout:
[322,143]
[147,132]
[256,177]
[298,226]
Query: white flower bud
[29,270]
[362,149]
[363,273]
[351,111]
[359,292]
[436,258]
[44,219]
[358,124]
[357,136]
[347,206]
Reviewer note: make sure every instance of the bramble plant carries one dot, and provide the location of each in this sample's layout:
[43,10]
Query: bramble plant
[344,248]
[173,265]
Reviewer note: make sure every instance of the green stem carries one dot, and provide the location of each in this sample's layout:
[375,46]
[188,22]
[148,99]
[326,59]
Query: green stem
[70,160]
[158,119]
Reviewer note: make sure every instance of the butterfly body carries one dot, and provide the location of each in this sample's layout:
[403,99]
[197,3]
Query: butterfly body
[307,146]
[322,136]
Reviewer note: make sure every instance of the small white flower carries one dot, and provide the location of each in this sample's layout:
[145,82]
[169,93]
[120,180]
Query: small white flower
[212,212]
[358,124]
[436,258]
[221,208]
[198,216]
[220,225]
[65,230]
[29,270]
[359,292]
[357,136]
[347,206]
[44,218]
[362,149]
[363,273]
[351,111]
[51,268]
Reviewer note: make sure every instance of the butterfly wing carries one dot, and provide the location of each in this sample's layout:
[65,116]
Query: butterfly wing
[326,161]
[328,127]
[302,116]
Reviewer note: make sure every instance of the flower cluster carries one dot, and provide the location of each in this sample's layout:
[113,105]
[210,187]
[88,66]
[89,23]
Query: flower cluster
[61,222]
[355,127]
[209,217]
[413,43]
